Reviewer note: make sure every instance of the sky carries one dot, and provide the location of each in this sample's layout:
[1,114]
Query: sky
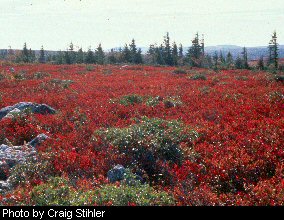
[56,23]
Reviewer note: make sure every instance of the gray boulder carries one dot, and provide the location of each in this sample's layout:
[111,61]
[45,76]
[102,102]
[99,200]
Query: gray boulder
[9,111]
[119,173]
[5,186]
[116,173]
[38,140]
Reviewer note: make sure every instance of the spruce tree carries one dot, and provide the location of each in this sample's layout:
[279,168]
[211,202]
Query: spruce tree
[175,54]
[180,51]
[90,58]
[260,63]
[80,56]
[274,50]
[239,63]
[71,54]
[99,55]
[195,52]
[25,54]
[229,60]
[138,57]
[215,60]
[126,54]
[133,52]
[111,57]
[167,52]
[151,53]
[42,55]
[245,58]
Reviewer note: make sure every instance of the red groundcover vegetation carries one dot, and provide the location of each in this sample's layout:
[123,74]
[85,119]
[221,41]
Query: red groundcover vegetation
[237,116]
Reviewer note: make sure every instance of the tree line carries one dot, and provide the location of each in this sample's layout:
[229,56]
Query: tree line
[166,53]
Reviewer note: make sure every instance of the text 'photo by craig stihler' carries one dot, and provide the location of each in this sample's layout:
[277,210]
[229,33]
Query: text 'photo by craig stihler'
[125,108]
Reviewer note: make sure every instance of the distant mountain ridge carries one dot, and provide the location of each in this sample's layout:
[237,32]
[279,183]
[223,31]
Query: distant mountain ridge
[253,52]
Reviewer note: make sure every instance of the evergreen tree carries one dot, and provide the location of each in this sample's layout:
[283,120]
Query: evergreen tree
[151,54]
[260,63]
[195,52]
[138,58]
[126,57]
[221,58]
[175,54]
[90,58]
[229,60]
[180,51]
[239,63]
[25,54]
[71,56]
[99,55]
[112,57]
[159,51]
[273,51]
[32,56]
[59,58]
[245,58]
[133,52]
[215,60]
[42,56]
[80,56]
[208,61]
[167,52]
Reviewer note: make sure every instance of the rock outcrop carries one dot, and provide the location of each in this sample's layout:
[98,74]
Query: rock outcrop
[18,108]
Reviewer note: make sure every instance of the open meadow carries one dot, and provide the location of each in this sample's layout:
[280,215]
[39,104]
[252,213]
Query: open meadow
[140,135]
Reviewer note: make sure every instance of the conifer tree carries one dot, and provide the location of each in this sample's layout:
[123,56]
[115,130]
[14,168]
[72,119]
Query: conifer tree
[80,56]
[239,63]
[42,55]
[25,54]
[229,60]
[273,49]
[245,59]
[215,60]
[175,54]
[90,58]
[180,51]
[167,51]
[126,54]
[133,52]
[195,52]
[111,57]
[260,63]
[99,55]
[138,57]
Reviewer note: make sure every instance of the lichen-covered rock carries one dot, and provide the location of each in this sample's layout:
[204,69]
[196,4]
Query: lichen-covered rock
[38,140]
[116,173]
[4,186]
[9,111]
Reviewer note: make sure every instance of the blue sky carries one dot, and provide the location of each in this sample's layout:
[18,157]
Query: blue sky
[55,23]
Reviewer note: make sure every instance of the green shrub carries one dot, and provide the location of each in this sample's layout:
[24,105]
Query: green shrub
[89,67]
[40,75]
[172,101]
[198,77]
[153,101]
[30,171]
[21,75]
[150,140]
[59,191]
[64,83]
[131,99]
[141,195]
[179,71]
[243,78]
